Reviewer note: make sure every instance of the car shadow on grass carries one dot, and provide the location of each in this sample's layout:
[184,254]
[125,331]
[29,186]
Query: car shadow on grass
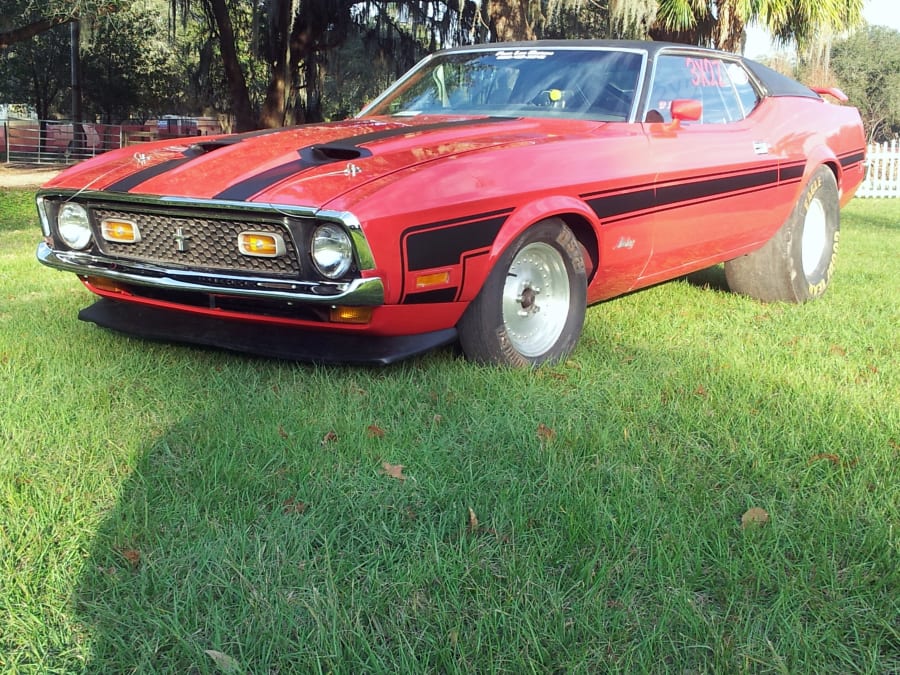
[538,520]
[710,278]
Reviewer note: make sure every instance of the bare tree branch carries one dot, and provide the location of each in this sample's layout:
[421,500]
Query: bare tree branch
[22,33]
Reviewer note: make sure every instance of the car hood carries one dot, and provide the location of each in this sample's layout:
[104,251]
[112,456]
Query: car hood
[306,165]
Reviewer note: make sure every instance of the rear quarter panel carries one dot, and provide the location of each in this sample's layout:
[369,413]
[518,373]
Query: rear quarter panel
[819,133]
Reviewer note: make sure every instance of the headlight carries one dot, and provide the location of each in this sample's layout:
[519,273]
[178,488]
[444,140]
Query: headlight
[74,226]
[332,250]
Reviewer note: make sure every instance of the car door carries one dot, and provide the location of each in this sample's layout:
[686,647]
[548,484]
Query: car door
[716,177]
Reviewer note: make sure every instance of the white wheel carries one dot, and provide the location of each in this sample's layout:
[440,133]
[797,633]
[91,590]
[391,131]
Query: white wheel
[531,307]
[535,299]
[814,240]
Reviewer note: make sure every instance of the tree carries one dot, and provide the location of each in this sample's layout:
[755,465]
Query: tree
[234,75]
[867,66]
[721,23]
[36,71]
[510,20]
[21,20]
[130,68]
[294,38]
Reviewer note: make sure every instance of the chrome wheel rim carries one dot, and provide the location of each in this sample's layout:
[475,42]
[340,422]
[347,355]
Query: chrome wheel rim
[815,236]
[535,299]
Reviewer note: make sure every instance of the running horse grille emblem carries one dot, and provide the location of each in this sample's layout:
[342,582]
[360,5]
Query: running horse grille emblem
[181,240]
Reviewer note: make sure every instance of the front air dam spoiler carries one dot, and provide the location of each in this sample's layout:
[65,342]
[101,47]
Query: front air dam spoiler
[280,342]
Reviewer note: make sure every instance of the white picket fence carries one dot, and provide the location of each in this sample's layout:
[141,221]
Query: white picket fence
[882,171]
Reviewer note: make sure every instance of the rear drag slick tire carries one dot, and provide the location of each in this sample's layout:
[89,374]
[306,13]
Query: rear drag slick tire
[796,264]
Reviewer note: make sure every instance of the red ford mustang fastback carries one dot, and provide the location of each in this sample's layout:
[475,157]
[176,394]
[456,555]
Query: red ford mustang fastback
[489,197]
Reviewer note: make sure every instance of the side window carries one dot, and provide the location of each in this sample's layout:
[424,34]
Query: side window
[723,88]
[740,80]
[671,80]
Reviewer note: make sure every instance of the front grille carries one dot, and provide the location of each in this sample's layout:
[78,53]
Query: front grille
[209,243]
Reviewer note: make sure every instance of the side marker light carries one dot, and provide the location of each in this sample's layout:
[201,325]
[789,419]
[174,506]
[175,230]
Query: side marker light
[434,279]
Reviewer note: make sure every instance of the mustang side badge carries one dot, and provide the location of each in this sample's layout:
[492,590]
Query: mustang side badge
[181,240]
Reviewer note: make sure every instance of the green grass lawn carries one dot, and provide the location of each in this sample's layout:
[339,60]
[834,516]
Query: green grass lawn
[173,509]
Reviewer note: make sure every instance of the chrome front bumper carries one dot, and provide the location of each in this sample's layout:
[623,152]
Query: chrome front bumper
[357,292]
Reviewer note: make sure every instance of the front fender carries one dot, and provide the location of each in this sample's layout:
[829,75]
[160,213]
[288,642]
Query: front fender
[570,209]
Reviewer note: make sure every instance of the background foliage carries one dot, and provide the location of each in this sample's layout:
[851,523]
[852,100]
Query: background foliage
[867,65]
[275,62]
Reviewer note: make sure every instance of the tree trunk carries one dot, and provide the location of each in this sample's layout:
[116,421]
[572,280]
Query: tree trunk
[275,106]
[75,52]
[730,27]
[10,37]
[237,85]
[313,108]
[512,20]
[273,110]
[303,54]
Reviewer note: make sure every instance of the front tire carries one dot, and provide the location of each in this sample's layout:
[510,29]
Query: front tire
[531,309]
[796,264]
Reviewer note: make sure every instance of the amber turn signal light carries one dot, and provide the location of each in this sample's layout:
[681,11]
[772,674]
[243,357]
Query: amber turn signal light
[120,231]
[342,314]
[104,284]
[261,244]
[435,279]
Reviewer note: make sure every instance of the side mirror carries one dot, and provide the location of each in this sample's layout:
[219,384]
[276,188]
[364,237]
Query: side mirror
[686,110]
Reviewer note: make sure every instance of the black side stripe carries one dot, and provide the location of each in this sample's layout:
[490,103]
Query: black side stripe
[706,200]
[663,197]
[616,205]
[454,221]
[673,194]
[443,244]
[795,172]
[139,177]
[853,158]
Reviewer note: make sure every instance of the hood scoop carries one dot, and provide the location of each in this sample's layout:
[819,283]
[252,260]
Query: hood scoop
[328,153]
[204,147]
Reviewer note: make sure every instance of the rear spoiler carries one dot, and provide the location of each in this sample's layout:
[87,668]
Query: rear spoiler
[831,91]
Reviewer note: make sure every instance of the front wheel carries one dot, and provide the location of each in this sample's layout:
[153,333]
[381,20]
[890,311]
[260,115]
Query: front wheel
[796,264]
[531,308]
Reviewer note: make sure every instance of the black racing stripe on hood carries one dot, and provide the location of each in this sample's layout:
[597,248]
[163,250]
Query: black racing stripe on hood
[243,190]
[317,155]
[138,177]
[195,150]
[258,132]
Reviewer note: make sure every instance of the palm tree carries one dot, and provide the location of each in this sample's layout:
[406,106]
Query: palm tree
[721,23]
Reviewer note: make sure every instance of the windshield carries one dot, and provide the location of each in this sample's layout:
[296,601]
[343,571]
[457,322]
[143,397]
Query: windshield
[576,83]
